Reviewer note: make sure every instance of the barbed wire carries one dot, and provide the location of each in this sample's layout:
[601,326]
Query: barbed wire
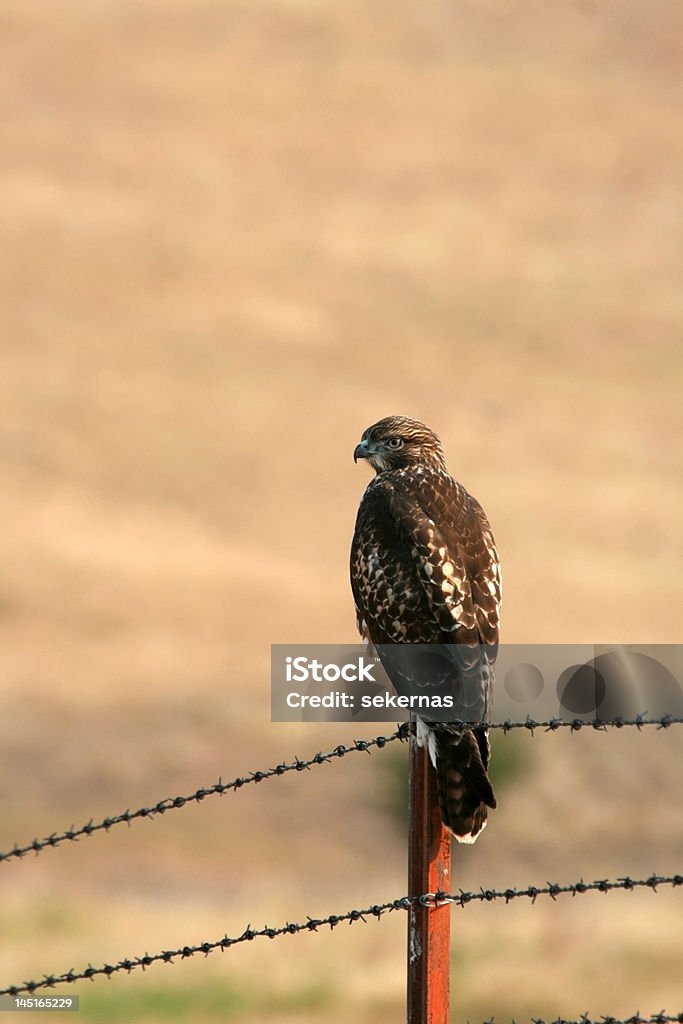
[655,1018]
[577,724]
[73,834]
[174,802]
[427,900]
[312,924]
[551,889]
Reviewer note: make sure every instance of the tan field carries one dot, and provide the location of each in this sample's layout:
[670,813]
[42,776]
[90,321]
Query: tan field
[235,234]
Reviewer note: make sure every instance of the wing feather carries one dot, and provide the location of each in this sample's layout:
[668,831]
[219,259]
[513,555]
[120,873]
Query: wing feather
[424,566]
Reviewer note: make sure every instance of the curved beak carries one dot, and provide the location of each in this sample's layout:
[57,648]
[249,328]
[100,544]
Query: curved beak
[361,451]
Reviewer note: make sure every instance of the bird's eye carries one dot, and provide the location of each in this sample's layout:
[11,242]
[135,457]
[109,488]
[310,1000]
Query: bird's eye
[395,442]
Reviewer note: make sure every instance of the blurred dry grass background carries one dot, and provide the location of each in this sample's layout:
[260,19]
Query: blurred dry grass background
[235,234]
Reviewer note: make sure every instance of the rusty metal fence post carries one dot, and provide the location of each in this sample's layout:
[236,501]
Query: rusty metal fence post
[429,871]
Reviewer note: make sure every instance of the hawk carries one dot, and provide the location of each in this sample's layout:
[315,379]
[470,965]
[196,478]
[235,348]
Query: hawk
[424,570]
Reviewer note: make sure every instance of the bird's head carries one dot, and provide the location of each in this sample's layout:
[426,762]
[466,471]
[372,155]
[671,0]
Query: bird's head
[398,442]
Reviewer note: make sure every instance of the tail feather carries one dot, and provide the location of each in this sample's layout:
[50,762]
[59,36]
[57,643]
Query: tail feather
[465,792]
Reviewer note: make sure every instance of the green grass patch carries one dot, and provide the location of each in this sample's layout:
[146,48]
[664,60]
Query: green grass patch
[215,1001]
[511,759]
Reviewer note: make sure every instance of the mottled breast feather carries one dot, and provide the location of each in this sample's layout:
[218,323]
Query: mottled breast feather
[424,566]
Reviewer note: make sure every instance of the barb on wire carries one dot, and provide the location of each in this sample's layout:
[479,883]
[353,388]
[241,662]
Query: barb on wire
[312,924]
[172,803]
